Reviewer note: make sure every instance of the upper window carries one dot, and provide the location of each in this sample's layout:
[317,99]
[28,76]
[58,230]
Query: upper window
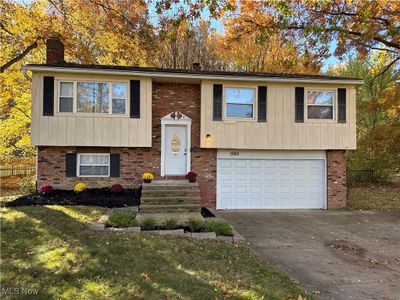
[93,165]
[239,102]
[320,104]
[93,97]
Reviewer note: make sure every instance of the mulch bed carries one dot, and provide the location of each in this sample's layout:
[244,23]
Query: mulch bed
[96,197]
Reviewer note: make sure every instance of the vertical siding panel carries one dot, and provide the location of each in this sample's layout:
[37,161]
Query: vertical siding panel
[80,130]
[61,131]
[279,120]
[271,117]
[44,131]
[124,137]
[89,131]
[37,87]
[286,126]
[107,134]
[352,120]
[98,132]
[133,132]
[53,130]
[115,129]
[71,125]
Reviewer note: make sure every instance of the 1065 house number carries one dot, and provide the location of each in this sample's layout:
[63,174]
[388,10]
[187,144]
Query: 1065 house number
[234,153]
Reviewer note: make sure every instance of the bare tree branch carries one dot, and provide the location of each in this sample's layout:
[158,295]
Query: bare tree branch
[19,56]
[387,68]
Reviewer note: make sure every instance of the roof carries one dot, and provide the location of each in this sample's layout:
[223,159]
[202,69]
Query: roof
[198,74]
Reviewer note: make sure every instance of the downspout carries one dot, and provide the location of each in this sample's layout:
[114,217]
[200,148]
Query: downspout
[24,72]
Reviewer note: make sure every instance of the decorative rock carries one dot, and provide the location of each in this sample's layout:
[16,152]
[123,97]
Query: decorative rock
[171,232]
[203,235]
[237,238]
[119,229]
[133,229]
[109,229]
[97,227]
[103,219]
[228,239]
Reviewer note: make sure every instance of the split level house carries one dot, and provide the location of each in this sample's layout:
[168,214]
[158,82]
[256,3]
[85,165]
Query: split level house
[256,140]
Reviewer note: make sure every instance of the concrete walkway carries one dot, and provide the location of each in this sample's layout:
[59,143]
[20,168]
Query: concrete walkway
[333,254]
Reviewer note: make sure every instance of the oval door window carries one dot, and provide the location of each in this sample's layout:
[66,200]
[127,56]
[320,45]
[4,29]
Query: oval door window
[176,143]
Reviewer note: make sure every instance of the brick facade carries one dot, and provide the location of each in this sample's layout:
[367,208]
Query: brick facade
[167,98]
[336,178]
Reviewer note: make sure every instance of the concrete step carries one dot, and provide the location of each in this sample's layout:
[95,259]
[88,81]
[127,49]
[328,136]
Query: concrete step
[170,200]
[170,192]
[170,208]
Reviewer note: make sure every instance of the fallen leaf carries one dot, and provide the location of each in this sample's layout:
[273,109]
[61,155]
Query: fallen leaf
[145,276]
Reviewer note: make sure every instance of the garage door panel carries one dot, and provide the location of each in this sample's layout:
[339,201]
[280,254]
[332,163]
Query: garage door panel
[270,183]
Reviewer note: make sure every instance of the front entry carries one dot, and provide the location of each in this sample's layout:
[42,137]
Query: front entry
[175,150]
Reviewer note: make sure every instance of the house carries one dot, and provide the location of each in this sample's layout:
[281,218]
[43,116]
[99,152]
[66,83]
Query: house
[257,140]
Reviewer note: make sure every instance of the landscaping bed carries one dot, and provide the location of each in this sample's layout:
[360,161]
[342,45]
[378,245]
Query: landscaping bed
[103,197]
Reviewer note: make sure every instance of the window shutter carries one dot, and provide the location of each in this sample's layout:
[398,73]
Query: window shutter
[341,105]
[135,98]
[48,96]
[299,105]
[217,102]
[262,104]
[114,165]
[70,165]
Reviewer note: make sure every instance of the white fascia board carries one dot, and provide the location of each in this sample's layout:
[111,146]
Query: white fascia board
[188,76]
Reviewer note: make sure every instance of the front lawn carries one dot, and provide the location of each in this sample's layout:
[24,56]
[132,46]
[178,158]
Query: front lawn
[374,197]
[49,248]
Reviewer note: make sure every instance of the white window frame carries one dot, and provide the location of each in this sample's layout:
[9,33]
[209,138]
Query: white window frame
[78,164]
[255,104]
[333,105]
[75,97]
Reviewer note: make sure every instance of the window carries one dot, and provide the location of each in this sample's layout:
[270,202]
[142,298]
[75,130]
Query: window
[93,97]
[93,165]
[320,104]
[66,96]
[239,102]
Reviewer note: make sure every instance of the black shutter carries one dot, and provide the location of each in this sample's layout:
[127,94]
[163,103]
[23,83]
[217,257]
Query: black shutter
[114,165]
[299,105]
[341,105]
[217,102]
[262,104]
[70,165]
[48,96]
[135,98]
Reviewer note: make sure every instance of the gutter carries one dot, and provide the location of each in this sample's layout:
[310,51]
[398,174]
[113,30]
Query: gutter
[189,76]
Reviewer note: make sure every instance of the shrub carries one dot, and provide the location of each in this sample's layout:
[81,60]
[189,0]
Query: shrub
[220,227]
[79,187]
[149,223]
[121,219]
[117,188]
[46,189]
[28,185]
[195,224]
[170,223]
[148,176]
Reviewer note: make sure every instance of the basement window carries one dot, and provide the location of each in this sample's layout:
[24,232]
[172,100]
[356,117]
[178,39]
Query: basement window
[93,165]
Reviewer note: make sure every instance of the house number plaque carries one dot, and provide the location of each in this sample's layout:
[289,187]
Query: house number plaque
[234,153]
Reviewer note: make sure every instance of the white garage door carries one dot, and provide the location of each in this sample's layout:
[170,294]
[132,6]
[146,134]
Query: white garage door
[270,183]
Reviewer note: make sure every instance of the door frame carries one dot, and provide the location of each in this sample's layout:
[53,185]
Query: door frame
[176,119]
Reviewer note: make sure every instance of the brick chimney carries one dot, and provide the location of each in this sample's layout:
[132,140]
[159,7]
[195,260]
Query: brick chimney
[54,50]
[196,66]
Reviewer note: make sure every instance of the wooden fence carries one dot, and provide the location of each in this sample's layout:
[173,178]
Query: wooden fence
[17,170]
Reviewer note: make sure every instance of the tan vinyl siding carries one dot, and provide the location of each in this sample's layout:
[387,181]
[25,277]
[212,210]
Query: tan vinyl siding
[280,131]
[68,129]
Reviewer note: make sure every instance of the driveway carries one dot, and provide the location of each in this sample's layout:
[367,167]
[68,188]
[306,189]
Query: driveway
[332,254]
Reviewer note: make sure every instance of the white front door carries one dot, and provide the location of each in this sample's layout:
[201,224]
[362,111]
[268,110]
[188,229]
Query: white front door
[175,150]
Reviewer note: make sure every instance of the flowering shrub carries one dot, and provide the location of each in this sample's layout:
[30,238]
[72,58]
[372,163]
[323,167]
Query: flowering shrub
[191,175]
[46,189]
[148,176]
[79,187]
[117,188]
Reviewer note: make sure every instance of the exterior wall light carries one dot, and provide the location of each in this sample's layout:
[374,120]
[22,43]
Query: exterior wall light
[208,137]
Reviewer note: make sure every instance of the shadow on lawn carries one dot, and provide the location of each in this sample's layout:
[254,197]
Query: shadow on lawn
[51,249]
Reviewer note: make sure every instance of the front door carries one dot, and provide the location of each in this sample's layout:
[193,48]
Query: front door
[175,150]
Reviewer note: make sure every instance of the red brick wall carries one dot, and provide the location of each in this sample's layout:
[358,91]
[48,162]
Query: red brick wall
[167,98]
[336,173]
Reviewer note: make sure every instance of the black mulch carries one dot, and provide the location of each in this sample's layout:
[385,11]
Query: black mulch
[96,197]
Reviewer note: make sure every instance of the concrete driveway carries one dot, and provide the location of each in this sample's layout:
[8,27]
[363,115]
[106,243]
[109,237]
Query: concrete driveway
[332,254]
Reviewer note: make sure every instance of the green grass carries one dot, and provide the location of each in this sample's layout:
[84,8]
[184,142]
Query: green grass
[374,197]
[220,227]
[49,248]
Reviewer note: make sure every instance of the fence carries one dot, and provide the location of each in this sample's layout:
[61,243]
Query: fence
[17,170]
